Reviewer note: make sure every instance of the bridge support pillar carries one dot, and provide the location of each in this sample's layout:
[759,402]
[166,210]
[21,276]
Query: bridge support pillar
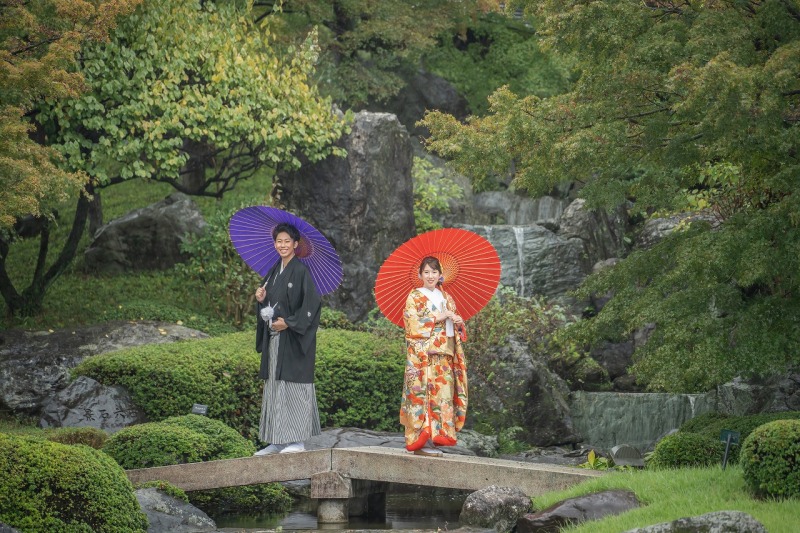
[333,491]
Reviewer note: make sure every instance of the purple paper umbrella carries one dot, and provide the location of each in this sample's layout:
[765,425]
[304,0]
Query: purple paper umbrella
[251,233]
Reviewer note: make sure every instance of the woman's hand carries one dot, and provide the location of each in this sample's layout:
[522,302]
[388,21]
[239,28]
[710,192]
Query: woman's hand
[279,325]
[457,320]
[441,317]
[261,294]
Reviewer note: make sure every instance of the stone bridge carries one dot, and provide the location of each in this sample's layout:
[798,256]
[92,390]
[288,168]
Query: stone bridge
[353,481]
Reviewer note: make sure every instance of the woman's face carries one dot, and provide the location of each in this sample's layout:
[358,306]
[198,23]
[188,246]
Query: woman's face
[284,245]
[430,276]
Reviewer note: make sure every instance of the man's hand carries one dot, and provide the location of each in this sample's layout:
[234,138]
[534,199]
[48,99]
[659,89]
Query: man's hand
[261,294]
[279,325]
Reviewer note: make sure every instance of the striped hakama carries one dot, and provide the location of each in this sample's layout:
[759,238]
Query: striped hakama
[288,410]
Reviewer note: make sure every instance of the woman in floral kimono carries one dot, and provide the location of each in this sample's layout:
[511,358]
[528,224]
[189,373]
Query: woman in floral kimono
[434,404]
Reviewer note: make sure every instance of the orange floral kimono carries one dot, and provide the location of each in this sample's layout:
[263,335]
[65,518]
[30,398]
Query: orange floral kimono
[434,404]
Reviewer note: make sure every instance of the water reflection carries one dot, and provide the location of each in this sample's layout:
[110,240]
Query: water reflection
[407,507]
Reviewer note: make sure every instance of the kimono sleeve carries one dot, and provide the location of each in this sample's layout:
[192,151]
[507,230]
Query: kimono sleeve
[306,317]
[416,325]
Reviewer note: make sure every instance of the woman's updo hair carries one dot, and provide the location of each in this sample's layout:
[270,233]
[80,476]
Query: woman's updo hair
[431,262]
[289,229]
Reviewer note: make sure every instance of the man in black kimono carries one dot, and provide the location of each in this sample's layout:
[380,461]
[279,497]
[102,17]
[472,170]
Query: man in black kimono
[286,336]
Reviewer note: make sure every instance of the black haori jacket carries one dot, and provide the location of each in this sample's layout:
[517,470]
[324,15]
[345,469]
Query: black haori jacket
[295,298]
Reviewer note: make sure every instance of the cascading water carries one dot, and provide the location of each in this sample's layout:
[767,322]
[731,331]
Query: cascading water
[519,235]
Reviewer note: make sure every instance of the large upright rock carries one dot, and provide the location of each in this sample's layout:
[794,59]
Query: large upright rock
[602,232]
[536,261]
[145,239]
[363,203]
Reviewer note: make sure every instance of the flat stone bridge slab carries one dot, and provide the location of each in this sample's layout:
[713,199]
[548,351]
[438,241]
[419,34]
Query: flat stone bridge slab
[371,463]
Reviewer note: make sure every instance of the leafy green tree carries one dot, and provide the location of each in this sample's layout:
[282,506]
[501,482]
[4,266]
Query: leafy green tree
[497,50]
[367,46]
[679,105]
[39,41]
[187,93]
[433,190]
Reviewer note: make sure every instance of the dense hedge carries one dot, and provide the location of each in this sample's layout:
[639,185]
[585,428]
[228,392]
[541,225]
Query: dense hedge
[47,486]
[771,459]
[681,450]
[358,379]
[711,424]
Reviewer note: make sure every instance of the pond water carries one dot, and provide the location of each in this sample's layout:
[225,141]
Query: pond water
[407,507]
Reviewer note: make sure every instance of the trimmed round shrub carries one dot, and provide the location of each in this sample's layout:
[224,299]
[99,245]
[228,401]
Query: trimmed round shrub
[48,486]
[358,379]
[770,459]
[224,441]
[89,436]
[155,444]
[681,450]
[195,438]
[712,424]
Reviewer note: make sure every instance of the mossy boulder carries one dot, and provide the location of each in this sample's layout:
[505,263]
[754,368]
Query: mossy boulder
[48,486]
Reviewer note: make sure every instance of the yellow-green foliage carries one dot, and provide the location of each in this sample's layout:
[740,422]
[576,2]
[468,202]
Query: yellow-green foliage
[38,56]
[90,436]
[47,486]
[358,378]
[771,459]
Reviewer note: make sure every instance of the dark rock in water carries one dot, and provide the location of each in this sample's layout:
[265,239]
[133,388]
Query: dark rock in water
[580,509]
[145,239]
[363,204]
[86,402]
[7,529]
[35,365]
[495,507]
[167,514]
[716,522]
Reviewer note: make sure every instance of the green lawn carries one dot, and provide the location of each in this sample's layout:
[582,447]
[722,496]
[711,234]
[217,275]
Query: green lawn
[671,494]
[78,298]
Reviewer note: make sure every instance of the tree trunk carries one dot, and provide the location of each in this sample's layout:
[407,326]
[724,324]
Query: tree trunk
[29,303]
[95,214]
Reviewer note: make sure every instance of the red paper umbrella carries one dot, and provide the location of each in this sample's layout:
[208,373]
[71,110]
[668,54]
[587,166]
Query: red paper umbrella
[471,270]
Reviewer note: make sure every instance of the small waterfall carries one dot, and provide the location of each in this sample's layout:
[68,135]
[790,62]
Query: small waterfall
[519,235]
[488,233]
[691,404]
